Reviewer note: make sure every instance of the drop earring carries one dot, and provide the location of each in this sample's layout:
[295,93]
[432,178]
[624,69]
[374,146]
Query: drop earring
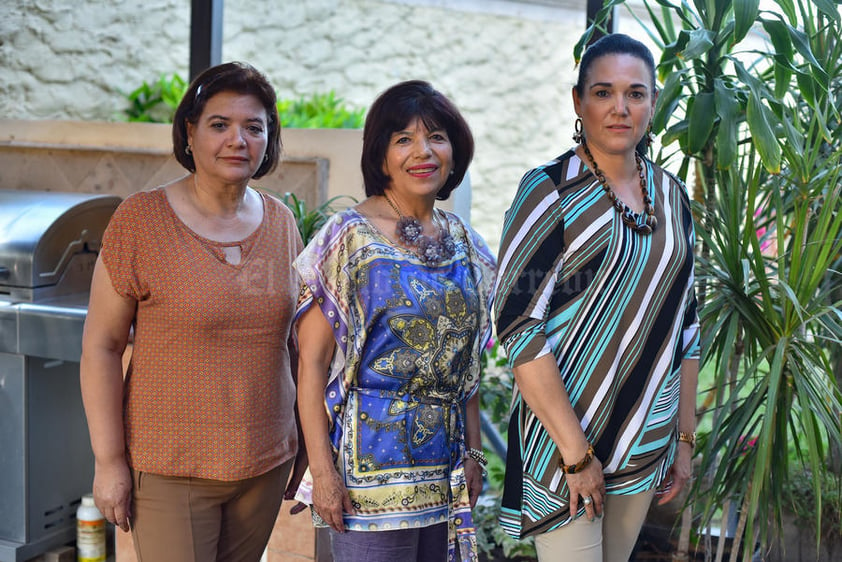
[578,135]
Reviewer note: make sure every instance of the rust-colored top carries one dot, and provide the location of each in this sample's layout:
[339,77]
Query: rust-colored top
[208,392]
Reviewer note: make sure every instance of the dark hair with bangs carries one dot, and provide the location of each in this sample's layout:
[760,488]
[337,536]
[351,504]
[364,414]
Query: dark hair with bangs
[392,111]
[237,77]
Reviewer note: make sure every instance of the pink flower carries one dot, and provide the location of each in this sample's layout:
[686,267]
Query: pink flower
[746,444]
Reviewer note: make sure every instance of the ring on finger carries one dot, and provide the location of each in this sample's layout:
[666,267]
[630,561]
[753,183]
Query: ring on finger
[587,500]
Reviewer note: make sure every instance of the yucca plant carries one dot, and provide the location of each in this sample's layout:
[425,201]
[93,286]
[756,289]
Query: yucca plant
[767,326]
[758,127]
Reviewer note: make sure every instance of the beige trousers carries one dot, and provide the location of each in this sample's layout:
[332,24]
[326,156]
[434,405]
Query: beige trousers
[197,520]
[609,539]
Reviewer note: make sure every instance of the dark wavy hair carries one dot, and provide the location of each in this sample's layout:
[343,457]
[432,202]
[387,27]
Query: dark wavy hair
[616,44]
[239,78]
[392,111]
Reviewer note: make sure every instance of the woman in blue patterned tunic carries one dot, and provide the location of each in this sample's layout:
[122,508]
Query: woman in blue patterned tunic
[596,309]
[393,313]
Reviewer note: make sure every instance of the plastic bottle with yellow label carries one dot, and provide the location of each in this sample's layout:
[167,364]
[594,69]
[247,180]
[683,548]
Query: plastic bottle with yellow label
[90,532]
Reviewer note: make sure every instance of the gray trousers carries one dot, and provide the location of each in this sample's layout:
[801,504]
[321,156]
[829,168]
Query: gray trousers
[425,544]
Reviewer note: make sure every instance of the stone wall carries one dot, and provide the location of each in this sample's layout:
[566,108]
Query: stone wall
[508,65]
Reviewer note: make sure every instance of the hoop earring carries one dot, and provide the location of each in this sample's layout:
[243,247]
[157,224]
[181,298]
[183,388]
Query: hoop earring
[579,134]
[188,151]
[648,136]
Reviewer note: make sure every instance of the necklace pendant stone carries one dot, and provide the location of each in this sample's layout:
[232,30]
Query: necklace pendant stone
[410,233]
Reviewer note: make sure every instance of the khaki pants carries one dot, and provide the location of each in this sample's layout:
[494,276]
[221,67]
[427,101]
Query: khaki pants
[197,520]
[610,539]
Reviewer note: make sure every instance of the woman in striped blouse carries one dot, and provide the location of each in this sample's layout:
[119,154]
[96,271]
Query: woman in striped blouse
[596,309]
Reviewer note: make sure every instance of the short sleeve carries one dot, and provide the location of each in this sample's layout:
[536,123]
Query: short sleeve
[530,257]
[123,244]
[324,281]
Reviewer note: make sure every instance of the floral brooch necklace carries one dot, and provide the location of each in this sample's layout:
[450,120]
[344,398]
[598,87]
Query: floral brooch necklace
[628,216]
[411,234]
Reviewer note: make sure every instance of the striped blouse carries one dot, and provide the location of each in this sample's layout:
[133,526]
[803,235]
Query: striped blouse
[616,308]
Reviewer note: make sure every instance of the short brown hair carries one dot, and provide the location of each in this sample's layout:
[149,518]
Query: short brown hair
[393,110]
[239,78]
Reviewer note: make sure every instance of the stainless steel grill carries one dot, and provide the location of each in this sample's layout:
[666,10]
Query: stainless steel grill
[49,242]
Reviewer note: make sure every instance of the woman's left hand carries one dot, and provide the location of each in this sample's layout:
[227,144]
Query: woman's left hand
[473,479]
[679,473]
[298,470]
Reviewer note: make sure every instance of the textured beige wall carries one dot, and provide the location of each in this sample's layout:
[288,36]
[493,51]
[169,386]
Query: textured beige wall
[122,158]
[510,72]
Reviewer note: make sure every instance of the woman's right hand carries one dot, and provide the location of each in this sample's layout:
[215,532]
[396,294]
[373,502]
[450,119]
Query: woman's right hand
[113,492]
[590,482]
[331,499]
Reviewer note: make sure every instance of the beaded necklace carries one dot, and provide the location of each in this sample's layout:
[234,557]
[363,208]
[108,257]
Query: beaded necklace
[411,234]
[626,213]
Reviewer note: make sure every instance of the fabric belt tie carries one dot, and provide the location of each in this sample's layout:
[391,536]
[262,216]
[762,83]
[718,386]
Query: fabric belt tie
[461,534]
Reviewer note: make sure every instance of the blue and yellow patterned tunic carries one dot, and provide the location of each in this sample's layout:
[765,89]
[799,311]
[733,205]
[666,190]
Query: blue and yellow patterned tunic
[408,342]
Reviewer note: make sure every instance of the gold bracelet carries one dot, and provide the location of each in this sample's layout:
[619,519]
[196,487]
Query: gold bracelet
[579,466]
[689,438]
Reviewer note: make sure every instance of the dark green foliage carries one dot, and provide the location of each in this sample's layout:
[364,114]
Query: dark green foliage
[157,102]
[319,111]
[309,221]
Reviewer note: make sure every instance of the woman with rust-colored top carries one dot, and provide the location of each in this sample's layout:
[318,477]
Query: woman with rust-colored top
[193,449]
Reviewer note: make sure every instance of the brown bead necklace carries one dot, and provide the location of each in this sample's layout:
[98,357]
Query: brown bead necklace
[629,217]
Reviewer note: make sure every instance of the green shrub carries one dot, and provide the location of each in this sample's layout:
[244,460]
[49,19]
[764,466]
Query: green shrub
[319,111]
[492,540]
[800,498]
[309,221]
[495,397]
[157,102]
